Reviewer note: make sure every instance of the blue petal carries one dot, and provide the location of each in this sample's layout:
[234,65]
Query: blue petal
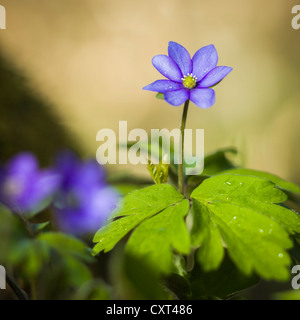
[203,98]
[214,76]
[24,164]
[163,86]
[181,56]
[176,98]
[204,60]
[45,186]
[167,67]
[89,214]
[90,174]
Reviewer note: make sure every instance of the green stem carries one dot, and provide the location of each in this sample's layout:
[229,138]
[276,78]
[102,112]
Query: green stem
[26,223]
[180,166]
[22,295]
[33,288]
[32,236]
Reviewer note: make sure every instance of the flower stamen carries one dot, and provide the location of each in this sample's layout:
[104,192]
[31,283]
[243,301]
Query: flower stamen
[189,81]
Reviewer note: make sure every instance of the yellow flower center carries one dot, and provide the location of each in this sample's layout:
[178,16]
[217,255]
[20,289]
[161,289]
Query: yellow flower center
[189,81]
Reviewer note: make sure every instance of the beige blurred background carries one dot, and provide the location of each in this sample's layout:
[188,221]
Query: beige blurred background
[90,59]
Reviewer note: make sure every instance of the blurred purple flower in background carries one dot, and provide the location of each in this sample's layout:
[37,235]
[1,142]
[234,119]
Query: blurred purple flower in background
[188,79]
[23,186]
[84,200]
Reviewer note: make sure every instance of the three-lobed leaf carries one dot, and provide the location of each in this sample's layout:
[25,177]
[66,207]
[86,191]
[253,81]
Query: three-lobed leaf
[243,212]
[156,214]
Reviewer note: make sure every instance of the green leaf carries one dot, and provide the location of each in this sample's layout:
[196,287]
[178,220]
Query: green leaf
[139,279]
[151,199]
[74,255]
[159,172]
[95,289]
[160,96]
[255,193]
[205,233]
[218,161]
[156,214]
[135,208]
[222,283]
[41,227]
[287,295]
[66,245]
[280,183]
[213,164]
[243,211]
[127,178]
[155,238]
[77,272]
[124,189]
[11,232]
[29,255]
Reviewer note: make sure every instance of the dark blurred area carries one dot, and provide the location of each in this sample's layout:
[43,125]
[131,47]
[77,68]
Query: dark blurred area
[27,121]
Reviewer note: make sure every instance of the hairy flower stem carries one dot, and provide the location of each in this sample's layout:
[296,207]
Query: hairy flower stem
[180,165]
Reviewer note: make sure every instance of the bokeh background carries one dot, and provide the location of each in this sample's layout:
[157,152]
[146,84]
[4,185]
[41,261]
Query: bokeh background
[69,68]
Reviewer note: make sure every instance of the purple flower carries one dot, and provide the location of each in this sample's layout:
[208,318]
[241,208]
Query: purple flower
[85,200]
[188,78]
[23,186]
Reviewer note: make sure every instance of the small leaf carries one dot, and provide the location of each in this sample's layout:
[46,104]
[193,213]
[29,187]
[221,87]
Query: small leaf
[160,96]
[217,162]
[159,172]
[253,227]
[155,238]
[41,227]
